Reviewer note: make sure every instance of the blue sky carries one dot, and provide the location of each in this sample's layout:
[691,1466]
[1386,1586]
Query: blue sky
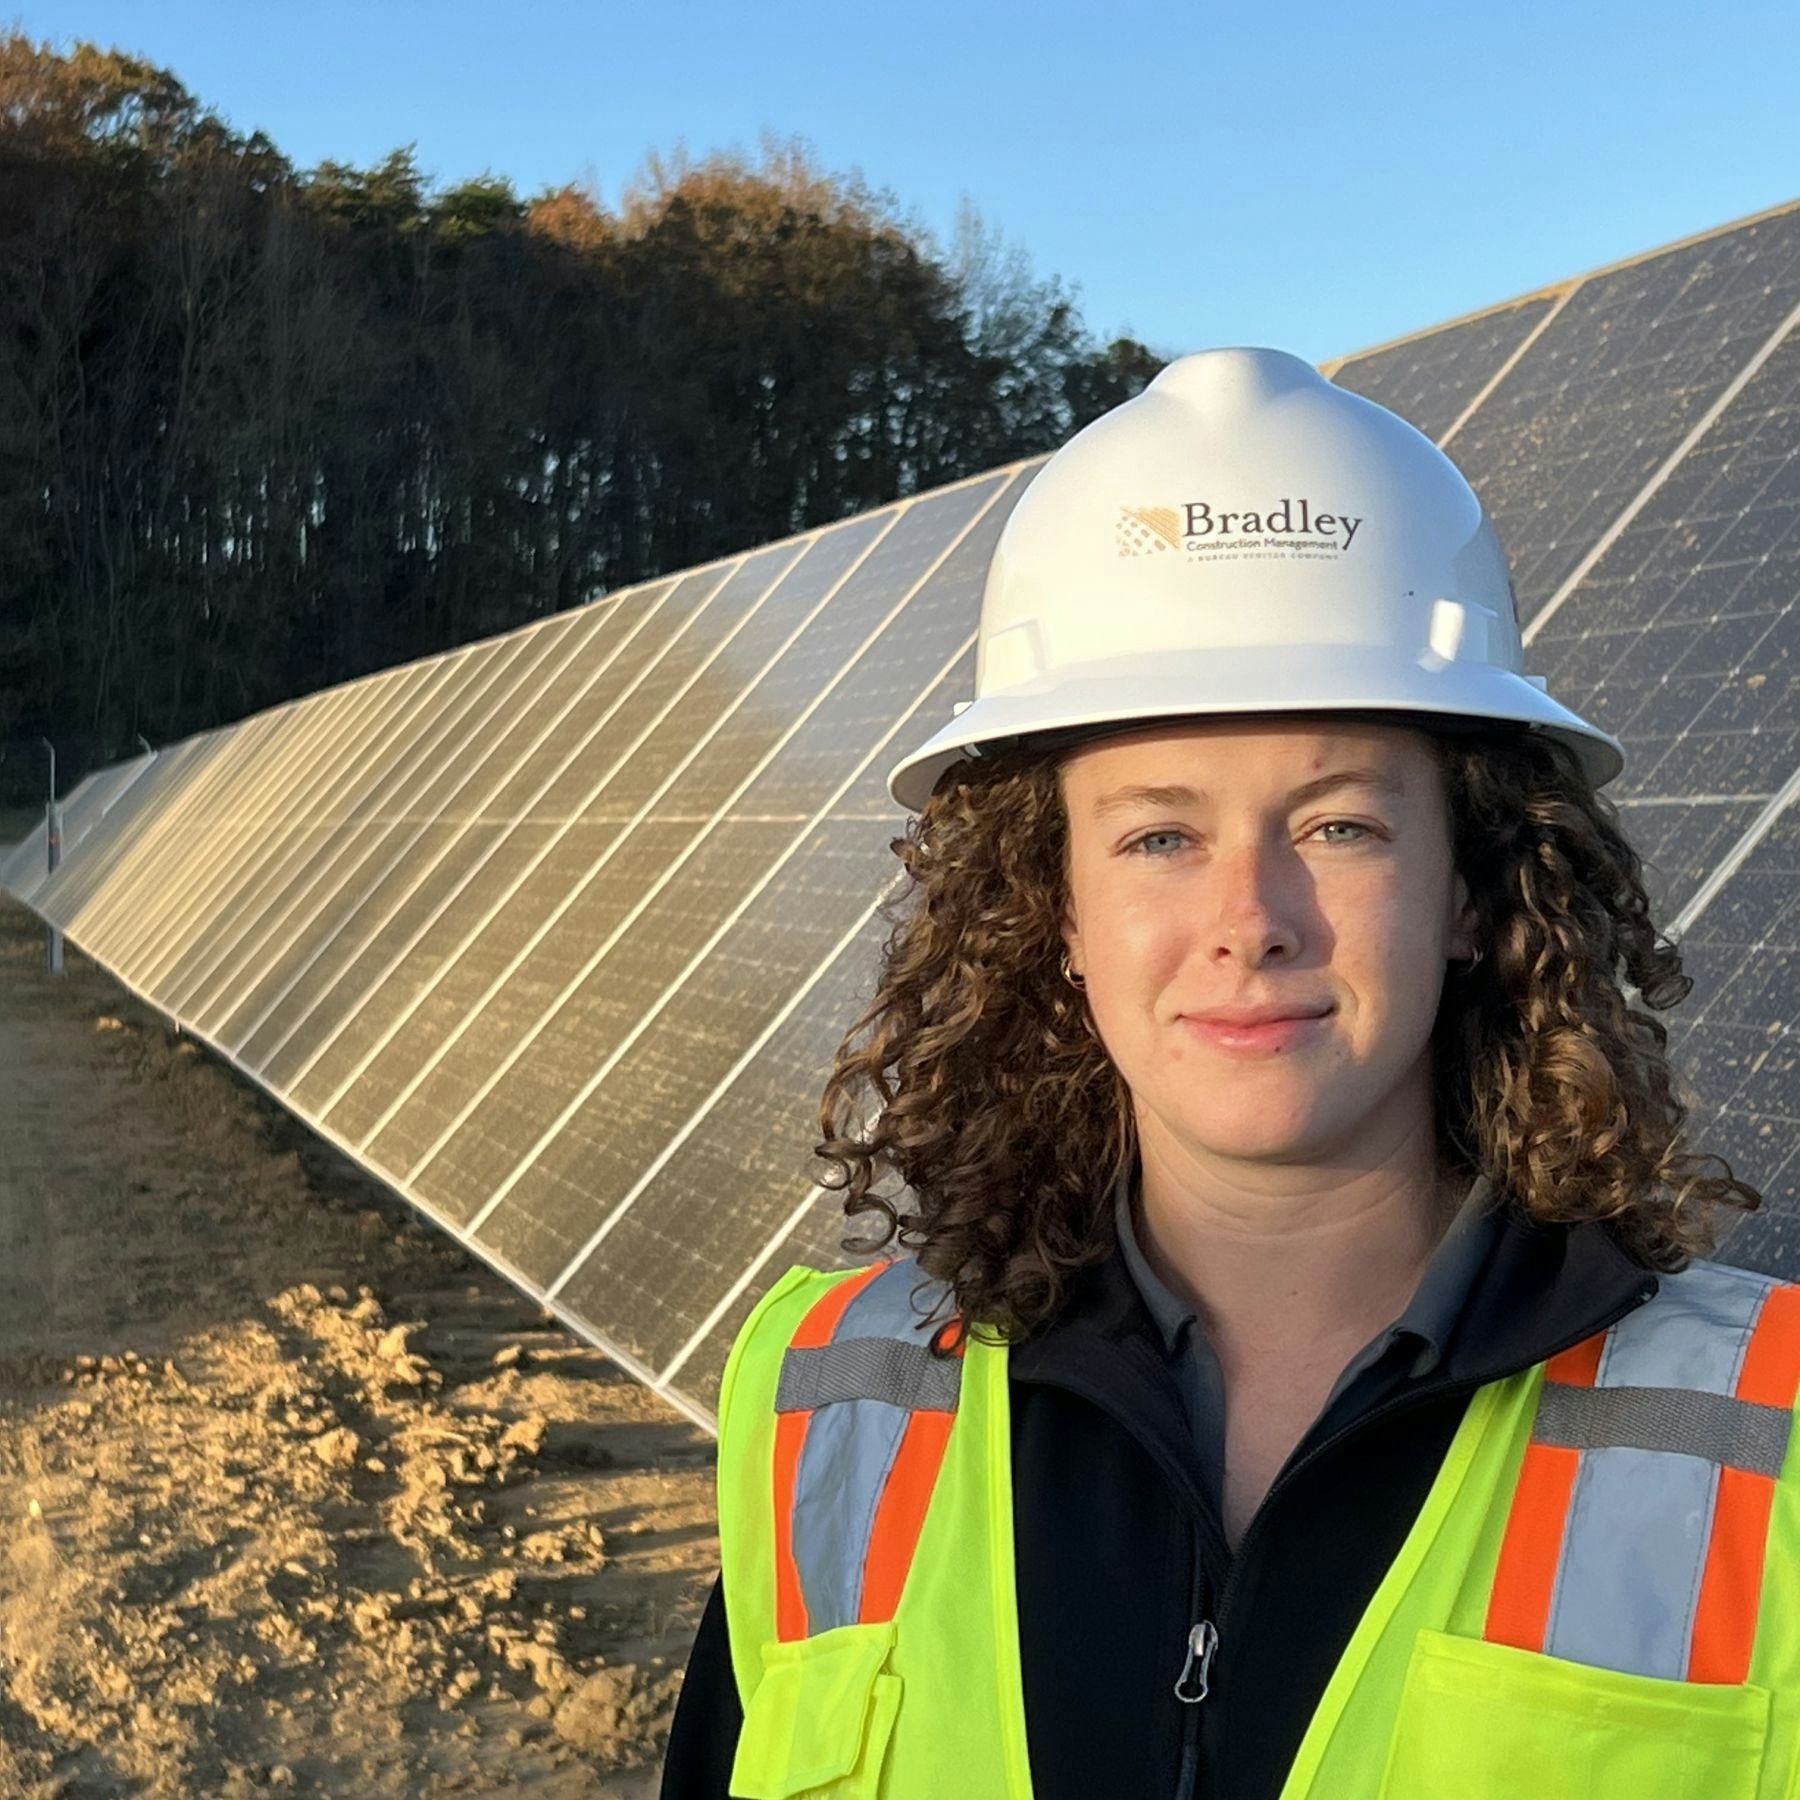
[1319,178]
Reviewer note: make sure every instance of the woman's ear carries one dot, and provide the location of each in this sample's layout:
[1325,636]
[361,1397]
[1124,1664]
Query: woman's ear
[1465,921]
[1071,937]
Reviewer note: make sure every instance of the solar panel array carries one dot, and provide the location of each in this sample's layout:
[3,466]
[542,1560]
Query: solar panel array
[557,933]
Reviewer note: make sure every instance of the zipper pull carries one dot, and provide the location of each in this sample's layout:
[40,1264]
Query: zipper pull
[1203,1640]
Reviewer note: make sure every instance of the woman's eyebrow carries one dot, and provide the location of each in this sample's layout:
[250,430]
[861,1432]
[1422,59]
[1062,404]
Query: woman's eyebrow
[1127,799]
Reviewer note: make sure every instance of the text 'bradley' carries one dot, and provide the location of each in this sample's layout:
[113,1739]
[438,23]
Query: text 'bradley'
[1284,517]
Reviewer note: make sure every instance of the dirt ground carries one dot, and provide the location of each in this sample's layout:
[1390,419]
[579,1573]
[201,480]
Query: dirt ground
[295,1495]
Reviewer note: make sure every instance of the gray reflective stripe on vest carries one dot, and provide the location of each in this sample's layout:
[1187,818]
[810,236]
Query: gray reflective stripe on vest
[862,1389]
[1736,1432]
[1653,1432]
[905,1375]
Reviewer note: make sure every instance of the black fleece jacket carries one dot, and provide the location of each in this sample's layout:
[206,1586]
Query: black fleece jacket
[1119,1552]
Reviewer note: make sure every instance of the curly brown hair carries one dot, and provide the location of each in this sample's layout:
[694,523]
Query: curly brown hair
[975,1074]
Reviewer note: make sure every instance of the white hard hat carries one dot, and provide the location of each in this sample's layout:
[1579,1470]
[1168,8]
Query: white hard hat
[1245,536]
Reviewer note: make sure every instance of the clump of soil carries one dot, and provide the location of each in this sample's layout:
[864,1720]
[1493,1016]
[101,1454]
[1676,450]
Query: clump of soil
[295,1494]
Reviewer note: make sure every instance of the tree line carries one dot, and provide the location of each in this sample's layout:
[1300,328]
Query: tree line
[265,428]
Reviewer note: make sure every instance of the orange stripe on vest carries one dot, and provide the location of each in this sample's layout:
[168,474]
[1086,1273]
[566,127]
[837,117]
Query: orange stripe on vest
[1525,1576]
[1731,1585]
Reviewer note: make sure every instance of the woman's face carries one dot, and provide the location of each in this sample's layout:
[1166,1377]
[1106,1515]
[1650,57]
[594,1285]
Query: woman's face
[1226,864]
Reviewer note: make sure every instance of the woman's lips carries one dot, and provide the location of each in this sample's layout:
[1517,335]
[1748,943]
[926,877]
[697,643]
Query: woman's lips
[1258,1040]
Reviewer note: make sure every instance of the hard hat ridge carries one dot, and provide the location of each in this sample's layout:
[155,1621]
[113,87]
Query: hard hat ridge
[1224,382]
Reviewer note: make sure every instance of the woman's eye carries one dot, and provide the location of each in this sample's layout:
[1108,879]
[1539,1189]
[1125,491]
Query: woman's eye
[1150,839]
[1163,843]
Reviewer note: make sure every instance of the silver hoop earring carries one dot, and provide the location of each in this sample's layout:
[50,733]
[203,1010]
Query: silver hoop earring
[1078,982]
[1469,963]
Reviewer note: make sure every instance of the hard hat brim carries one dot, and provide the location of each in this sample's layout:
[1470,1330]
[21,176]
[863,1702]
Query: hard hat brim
[1241,680]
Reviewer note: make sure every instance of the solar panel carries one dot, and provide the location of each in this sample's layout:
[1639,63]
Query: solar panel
[348,904]
[188,895]
[1684,640]
[1434,379]
[558,933]
[743,915]
[94,883]
[1610,387]
[526,1044]
[347,1068]
[1737,1041]
[299,868]
[727,605]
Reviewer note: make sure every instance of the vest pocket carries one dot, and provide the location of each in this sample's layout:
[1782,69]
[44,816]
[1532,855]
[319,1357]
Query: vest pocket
[821,1717]
[1487,1721]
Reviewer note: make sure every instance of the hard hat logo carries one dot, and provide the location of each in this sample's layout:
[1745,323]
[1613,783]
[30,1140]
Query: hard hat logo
[1144,530]
[1295,547]
[1205,530]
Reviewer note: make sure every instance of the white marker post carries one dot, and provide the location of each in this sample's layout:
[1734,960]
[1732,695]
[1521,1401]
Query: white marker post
[53,848]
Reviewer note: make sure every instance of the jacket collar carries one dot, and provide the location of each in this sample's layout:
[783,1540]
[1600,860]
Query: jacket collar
[1424,1325]
[1541,1287]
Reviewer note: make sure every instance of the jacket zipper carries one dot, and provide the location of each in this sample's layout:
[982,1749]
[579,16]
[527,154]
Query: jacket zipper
[1192,1683]
[1202,1637]
[1203,1640]
[1205,1634]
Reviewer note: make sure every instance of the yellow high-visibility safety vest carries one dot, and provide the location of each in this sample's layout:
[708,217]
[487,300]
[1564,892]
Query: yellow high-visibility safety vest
[1598,1600]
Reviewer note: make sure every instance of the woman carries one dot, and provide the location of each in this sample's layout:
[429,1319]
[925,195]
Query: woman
[1300,1376]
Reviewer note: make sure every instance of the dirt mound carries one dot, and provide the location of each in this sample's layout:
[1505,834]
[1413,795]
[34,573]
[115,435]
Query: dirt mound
[295,1494]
